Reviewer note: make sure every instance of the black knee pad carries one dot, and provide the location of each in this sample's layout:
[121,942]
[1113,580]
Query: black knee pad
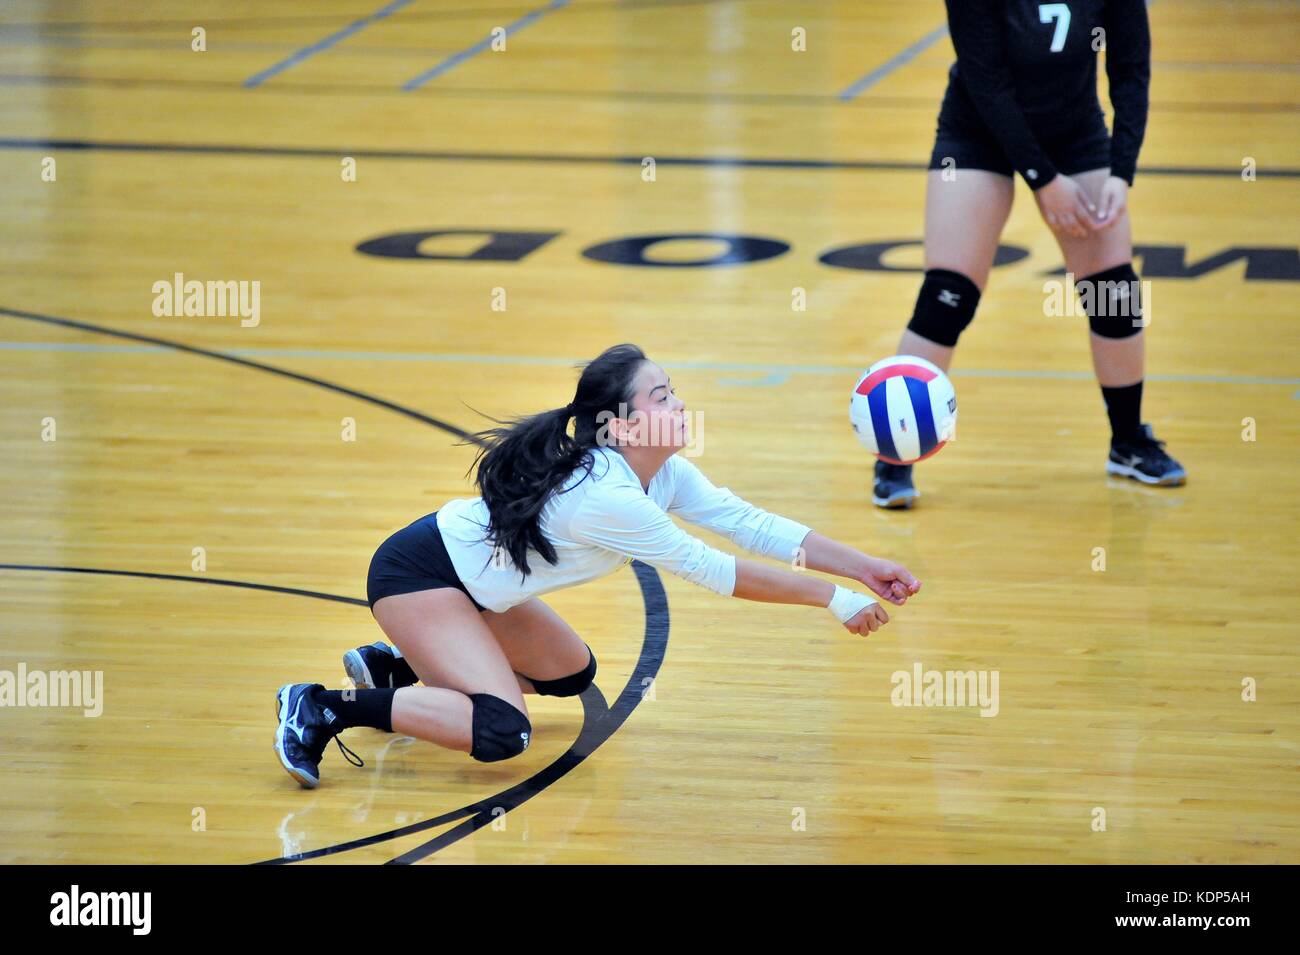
[570,685]
[500,730]
[944,307]
[1113,301]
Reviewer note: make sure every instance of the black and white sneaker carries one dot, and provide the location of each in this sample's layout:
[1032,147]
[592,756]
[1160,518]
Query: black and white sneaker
[373,666]
[1143,458]
[894,488]
[304,731]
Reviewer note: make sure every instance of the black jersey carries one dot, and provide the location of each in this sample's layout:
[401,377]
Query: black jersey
[1028,69]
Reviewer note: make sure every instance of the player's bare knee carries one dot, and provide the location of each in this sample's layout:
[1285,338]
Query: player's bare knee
[571,685]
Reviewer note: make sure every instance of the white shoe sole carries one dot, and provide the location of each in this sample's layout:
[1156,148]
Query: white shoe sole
[282,709]
[1176,479]
[896,502]
[357,671]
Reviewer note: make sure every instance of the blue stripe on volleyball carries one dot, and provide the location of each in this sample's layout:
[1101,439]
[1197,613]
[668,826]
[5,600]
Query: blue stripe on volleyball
[920,393]
[879,405]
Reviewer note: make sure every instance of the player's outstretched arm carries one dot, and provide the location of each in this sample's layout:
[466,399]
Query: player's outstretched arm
[763,582]
[889,580]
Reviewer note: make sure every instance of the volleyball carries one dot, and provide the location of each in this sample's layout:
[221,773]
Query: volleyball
[903,409]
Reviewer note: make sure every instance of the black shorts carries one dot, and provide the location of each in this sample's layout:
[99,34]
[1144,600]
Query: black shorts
[414,558]
[968,144]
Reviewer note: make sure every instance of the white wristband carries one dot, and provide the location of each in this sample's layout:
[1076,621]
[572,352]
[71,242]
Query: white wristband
[846,604]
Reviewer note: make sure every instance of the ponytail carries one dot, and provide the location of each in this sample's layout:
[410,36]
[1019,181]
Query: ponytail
[521,464]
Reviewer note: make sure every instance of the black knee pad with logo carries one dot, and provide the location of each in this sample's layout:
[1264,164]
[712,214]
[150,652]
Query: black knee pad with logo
[944,307]
[500,731]
[1113,301]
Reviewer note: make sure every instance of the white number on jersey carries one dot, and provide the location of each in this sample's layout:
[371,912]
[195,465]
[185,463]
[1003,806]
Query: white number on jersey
[1060,12]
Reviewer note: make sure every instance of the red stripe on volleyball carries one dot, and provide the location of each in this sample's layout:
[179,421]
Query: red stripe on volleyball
[893,371]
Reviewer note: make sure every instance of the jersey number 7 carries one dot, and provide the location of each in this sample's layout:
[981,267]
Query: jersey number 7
[1060,12]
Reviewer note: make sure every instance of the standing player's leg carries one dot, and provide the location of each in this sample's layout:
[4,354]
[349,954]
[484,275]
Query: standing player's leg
[471,700]
[1110,292]
[964,217]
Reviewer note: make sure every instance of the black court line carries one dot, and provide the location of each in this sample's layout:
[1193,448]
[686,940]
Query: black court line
[739,162]
[235,359]
[696,97]
[600,721]
[296,591]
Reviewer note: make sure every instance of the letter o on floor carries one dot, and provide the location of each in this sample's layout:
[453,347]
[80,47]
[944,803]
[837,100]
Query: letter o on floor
[740,250]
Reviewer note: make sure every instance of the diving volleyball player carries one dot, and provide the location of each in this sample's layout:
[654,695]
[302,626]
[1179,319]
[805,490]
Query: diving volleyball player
[457,591]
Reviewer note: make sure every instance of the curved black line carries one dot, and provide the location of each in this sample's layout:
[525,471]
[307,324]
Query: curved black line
[235,359]
[600,721]
[594,731]
[739,162]
[597,723]
[196,580]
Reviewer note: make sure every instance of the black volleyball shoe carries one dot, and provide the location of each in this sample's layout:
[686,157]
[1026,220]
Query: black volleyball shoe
[1143,458]
[894,488]
[305,729]
[376,665]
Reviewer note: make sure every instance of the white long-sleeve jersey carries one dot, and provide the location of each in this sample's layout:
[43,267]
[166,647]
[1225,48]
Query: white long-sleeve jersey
[600,522]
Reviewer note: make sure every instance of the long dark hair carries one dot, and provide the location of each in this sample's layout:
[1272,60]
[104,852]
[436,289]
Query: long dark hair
[523,463]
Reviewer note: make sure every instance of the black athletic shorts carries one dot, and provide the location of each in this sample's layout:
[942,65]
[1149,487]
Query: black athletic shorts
[963,138]
[414,558]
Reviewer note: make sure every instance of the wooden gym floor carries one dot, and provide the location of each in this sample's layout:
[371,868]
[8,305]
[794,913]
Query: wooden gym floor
[723,731]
